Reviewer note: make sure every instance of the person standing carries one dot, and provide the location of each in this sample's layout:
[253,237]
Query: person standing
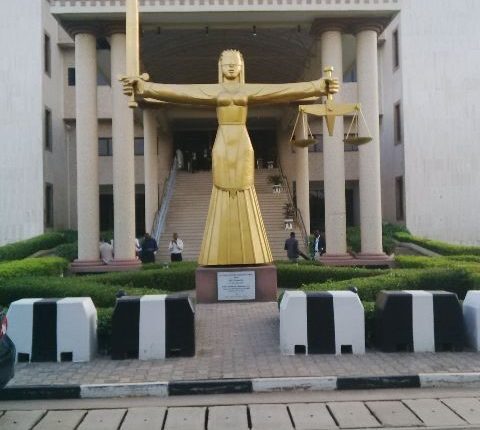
[175,247]
[149,249]
[319,245]
[291,246]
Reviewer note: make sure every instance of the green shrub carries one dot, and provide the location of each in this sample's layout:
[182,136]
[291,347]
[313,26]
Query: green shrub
[293,275]
[104,329]
[50,287]
[45,266]
[437,246]
[369,308]
[458,281]
[388,237]
[69,251]
[167,279]
[25,248]
[418,262]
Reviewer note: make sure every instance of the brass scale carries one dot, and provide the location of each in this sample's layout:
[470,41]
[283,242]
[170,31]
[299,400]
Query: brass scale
[330,111]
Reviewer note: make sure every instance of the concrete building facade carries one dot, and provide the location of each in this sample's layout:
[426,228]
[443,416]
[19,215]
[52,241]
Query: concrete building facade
[426,108]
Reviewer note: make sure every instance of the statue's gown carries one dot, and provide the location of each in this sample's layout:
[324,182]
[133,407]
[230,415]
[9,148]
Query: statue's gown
[234,232]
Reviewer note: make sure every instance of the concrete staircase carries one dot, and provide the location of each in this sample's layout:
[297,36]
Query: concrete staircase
[189,206]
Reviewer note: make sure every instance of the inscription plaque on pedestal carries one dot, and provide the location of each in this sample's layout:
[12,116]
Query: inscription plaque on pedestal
[236,285]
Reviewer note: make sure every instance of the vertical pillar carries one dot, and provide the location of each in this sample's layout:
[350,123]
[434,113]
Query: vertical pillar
[87,150]
[302,174]
[334,156]
[123,160]
[369,154]
[150,157]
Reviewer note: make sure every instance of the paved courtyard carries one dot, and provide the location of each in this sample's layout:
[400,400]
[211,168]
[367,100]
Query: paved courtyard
[241,340]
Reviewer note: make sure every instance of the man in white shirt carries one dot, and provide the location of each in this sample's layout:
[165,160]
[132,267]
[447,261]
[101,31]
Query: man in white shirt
[106,251]
[175,247]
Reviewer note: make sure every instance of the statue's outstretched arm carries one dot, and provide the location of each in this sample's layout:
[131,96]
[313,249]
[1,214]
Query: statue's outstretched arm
[284,93]
[197,94]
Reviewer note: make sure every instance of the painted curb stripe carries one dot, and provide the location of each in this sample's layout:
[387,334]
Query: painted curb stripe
[449,332]
[231,386]
[44,330]
[179,326]
[320,323]
[125,328]
[40,392]
[147,389]
[394,330]
[321,383]
[219,386]
[378,382]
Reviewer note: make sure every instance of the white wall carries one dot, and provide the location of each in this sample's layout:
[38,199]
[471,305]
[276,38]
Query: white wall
[440,42]
[392,155]
[21,121]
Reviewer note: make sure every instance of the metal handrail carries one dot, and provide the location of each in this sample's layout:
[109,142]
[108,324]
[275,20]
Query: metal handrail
[167,193]
[298,213]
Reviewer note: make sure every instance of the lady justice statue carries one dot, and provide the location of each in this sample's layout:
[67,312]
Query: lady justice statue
[234,232]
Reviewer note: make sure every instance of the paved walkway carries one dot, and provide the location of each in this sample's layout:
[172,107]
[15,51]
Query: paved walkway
[241,340]
[443,413]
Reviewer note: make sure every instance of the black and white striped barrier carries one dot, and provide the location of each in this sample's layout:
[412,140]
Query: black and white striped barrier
[471,317]
[322,323]
[153,327]
[419,321]
[53,329]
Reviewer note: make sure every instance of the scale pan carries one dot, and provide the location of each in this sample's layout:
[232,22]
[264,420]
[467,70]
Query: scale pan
[303,143]
[357,140]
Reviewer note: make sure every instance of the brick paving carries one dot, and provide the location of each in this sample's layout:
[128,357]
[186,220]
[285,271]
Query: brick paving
[241,340]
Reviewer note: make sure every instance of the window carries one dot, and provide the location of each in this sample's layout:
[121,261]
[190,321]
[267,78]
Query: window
[48,208]
[399,198]
[105,146]
[138,146]
[397,123]
[71,76]
[48,129]
[47,54]
[396,50]
[318,145]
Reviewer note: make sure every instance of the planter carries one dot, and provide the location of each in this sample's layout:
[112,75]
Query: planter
[277,188]
[288,223]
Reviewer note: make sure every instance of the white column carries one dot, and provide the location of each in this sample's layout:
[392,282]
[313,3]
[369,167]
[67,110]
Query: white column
[150,157]
[369,154]
[123,157]
[333,156]
[87,148]
[302,174]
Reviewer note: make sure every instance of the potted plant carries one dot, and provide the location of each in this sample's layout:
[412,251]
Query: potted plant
[276,181]
[289,214]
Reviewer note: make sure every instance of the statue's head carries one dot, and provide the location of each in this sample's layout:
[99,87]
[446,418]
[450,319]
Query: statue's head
[231,67]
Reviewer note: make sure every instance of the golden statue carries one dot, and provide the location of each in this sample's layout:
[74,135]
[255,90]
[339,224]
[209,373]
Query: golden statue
[234,232]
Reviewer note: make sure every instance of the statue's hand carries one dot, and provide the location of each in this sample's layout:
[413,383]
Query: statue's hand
[132,84]
[332,85]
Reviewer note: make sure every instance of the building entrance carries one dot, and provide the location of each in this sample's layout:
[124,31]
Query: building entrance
[195,147]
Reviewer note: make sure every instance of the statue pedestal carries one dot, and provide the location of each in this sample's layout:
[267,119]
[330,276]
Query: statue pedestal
[217,284]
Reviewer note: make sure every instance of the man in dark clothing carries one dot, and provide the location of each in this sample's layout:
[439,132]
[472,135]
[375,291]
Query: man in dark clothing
[291,246]
[149,248]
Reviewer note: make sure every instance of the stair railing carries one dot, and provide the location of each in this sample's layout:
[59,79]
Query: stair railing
[167,193]
[298,213]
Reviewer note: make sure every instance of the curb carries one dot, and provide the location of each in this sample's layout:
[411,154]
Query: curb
[232,386]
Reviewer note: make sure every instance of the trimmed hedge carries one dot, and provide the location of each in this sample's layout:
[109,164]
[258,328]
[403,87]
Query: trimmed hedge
[69,251]
[293,276]
[172,278]
[388,232]
[410,262]
[103,296]
[104,329]
[45,266]
[25,248]
[437,246]
[458,281]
